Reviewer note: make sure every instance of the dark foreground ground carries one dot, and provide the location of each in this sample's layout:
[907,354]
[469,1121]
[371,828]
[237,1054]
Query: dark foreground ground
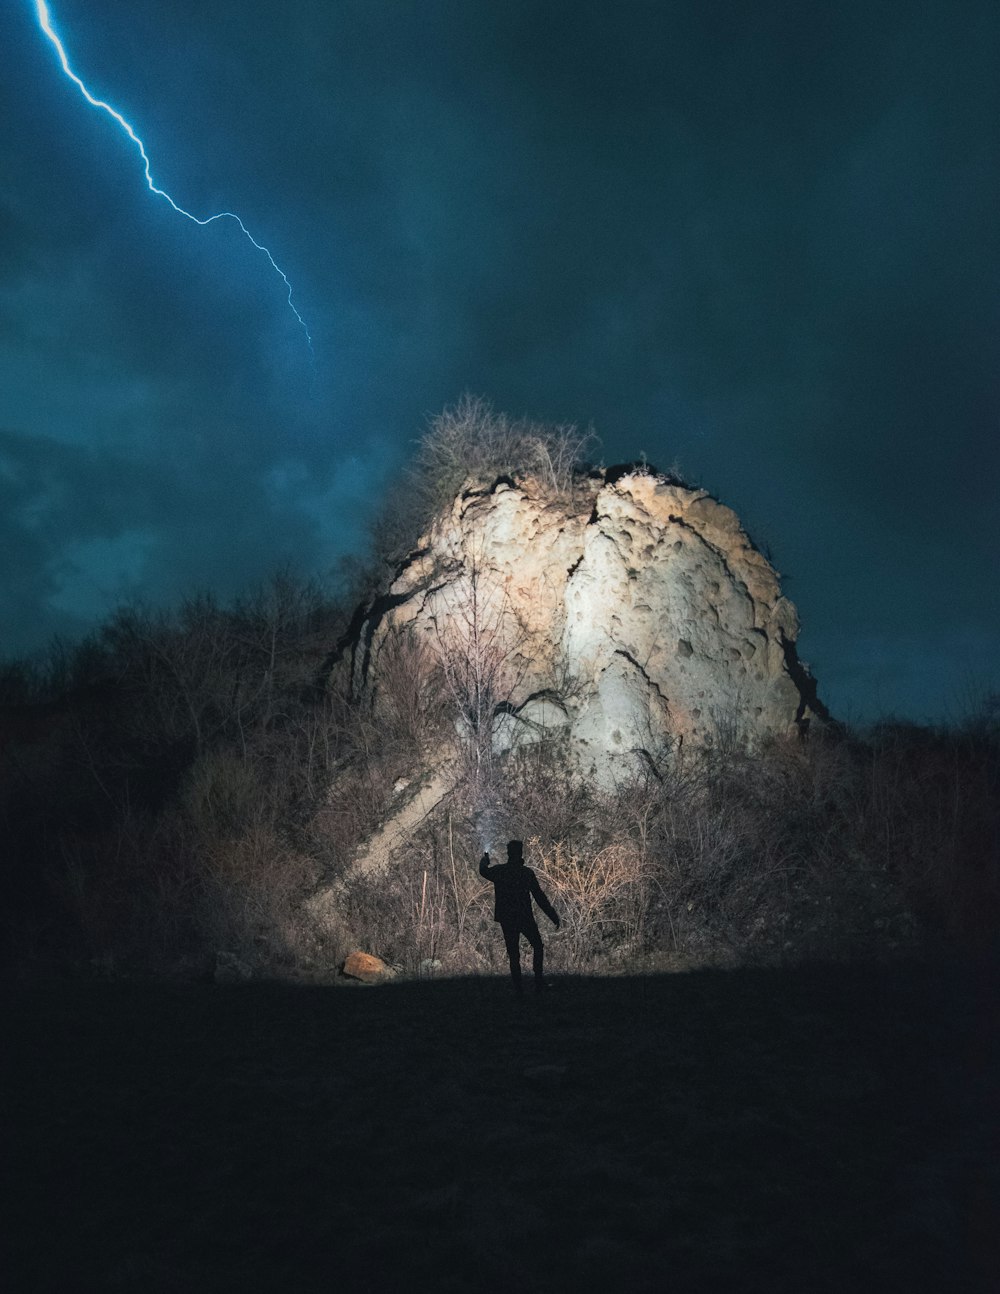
[812,1130]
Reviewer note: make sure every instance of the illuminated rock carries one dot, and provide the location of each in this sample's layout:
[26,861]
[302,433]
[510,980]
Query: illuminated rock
[366,967]
[630,618]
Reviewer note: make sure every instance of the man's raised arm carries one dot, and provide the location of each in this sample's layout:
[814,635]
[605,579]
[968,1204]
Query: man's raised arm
[484,866]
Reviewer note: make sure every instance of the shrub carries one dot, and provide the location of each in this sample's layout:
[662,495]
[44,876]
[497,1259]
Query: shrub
[472,441]
[602,899]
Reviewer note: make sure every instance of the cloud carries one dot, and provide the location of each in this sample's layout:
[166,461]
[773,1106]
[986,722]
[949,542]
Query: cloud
[759,241]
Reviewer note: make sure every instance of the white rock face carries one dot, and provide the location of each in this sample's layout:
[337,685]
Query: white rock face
[632,618]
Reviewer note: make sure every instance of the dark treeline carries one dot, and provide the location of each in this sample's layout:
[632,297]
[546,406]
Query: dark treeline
[131,761]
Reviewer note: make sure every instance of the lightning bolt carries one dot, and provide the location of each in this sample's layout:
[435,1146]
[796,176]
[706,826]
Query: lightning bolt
[45,22]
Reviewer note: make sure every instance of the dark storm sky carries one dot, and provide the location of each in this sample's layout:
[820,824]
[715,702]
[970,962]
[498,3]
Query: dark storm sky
[758,240]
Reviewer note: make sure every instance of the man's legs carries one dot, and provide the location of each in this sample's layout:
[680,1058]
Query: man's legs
[512,938]
[531,933]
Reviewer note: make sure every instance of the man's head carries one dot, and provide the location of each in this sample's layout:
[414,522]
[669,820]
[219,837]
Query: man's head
[515,852]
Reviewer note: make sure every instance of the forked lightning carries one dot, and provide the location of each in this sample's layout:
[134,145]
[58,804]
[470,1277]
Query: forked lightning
[45,22]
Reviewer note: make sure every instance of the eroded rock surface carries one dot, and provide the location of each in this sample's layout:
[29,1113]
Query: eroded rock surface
[631,617]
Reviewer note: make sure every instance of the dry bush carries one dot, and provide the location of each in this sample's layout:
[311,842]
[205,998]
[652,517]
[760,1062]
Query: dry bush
[601,900]
[431,905]
[472,440]
[249,877]
[345,755]
[131,891]
[356,802]
[409,699]
[929,804]
[222,794]
[756,860]
[252,888]
[366,747]
[469,441]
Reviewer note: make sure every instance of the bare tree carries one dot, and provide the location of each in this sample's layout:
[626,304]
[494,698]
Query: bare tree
[480,644]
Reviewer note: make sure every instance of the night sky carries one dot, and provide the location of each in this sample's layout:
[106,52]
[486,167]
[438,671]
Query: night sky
[756,241]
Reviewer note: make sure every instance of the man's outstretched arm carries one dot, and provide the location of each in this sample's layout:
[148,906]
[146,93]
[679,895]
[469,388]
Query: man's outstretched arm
[484,866]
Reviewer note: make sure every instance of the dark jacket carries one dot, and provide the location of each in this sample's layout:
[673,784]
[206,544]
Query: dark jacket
[515,886]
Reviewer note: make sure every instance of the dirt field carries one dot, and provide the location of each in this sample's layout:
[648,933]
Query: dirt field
[818,1129]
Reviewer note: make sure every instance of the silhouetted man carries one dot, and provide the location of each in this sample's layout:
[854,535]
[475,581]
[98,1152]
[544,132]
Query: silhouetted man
[515,886]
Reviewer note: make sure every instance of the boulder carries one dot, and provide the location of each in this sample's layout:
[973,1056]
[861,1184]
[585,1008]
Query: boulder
[365,967]
[631,617]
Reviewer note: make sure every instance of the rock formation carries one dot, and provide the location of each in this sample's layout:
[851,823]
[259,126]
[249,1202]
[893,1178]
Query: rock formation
[630,616]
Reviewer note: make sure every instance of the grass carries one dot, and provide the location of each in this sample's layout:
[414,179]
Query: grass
[817,1129]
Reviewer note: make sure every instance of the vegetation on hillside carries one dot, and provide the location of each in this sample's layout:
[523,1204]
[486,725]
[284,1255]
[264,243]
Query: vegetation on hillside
[179,784]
